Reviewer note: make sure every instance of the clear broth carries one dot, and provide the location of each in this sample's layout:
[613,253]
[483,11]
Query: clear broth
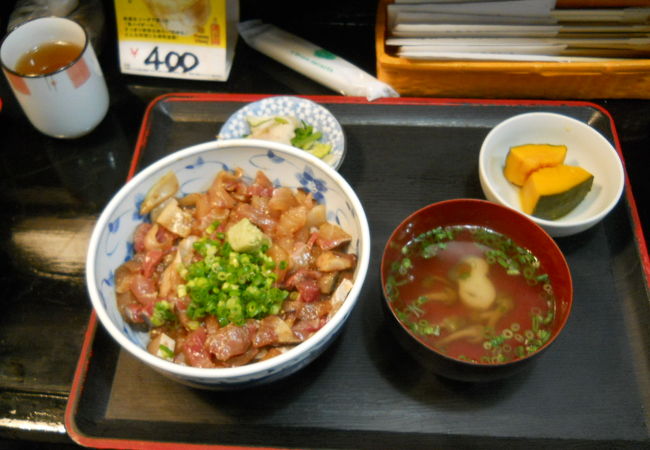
[47,58]
[424,291]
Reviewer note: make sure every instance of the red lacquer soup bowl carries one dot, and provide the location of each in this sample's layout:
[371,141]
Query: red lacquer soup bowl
[474,290]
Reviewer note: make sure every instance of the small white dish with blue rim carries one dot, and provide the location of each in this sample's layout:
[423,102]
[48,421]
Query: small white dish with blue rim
[310,112]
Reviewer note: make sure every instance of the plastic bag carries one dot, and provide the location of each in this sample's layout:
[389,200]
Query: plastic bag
[312,61]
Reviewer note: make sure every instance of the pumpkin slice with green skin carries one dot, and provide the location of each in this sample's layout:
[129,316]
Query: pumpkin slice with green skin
[522,160]
[553,192]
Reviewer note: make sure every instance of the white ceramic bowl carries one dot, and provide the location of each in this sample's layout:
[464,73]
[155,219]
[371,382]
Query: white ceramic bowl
[586,148]
[111,244]
[304,109]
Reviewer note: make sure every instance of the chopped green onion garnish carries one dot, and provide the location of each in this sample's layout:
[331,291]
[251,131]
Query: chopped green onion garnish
[162,313]
[166,351]
[232,286]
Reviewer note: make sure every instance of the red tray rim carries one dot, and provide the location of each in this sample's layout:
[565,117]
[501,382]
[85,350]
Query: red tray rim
[86,351]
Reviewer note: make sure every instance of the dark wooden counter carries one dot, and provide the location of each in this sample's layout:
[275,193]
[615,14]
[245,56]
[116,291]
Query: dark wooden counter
[51,192]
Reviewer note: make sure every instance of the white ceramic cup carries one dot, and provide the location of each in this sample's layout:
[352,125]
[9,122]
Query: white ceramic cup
[69,102]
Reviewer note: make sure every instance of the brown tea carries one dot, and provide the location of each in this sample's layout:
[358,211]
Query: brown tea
[47,58]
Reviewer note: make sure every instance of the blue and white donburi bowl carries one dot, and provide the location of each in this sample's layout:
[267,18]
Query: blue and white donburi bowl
[111,244]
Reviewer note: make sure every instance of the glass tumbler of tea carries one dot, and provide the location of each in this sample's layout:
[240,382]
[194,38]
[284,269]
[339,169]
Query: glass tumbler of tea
[53,71]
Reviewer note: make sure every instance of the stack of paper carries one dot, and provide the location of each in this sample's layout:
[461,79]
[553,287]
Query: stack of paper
[518,30]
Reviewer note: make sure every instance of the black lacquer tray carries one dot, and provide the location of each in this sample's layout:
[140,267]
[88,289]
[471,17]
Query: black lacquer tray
[589,390]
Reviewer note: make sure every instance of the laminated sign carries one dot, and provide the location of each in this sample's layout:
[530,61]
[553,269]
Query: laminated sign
[191,39]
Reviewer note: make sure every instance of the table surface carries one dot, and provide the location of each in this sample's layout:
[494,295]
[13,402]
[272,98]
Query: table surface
[52,191]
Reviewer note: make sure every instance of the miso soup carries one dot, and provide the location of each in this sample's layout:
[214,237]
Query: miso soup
[473,294]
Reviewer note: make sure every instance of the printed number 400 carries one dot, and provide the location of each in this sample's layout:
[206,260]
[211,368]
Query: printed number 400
[172,60]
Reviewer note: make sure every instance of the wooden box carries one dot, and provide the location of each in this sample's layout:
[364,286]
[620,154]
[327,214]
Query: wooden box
[496,79]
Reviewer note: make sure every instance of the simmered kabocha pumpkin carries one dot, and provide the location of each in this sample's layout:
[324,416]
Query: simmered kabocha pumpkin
[552,192]
[522,160]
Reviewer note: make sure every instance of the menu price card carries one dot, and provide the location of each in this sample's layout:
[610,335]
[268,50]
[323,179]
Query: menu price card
[189,39]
